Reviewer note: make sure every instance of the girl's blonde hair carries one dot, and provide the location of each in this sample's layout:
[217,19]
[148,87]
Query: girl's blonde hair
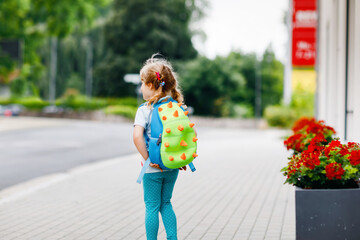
[167,75]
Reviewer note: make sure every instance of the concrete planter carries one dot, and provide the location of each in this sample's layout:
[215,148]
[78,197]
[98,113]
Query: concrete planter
[327,214]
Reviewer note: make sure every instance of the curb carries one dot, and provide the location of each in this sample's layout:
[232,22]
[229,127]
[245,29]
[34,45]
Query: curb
[24,189]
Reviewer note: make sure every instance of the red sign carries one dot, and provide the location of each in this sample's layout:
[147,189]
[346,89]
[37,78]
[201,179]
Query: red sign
[304,22]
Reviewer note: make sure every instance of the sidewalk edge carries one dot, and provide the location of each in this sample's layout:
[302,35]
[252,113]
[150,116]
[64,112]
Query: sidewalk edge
[23,189]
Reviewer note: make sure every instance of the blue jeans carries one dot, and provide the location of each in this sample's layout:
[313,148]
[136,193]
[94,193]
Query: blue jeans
[158,188]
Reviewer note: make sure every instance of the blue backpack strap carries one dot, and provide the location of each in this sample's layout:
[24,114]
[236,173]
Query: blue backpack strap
[147,140]
[192,167]
[142,173]
[163,98]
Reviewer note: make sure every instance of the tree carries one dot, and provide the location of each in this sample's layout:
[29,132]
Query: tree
[211,86]
[64,17]
[272,75]
[16,24]
[138,29]
[36,20]
[214,87]
[270,71]
[61,19]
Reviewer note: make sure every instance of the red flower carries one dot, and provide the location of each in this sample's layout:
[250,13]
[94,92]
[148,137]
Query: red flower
[314,128]
[295,142]
[354,157]
[334,170]
[316,144]
[330,129]
[310,159]
[344,150]
[352,145]
[302,122]
[305,130]
[335,143]
[332,146]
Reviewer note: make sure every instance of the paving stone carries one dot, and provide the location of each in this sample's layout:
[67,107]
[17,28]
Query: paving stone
[237,192]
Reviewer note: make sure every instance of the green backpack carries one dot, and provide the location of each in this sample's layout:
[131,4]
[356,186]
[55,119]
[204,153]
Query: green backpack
[173,141]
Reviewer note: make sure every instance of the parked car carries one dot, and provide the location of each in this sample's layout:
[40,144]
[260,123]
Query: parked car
[11,110]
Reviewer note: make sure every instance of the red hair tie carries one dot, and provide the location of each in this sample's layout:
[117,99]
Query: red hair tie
[158,75]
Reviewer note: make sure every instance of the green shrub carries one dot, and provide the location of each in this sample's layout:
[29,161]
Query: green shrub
[280,116]
[72,99]
[5,101]
[244,111]
[303,103]
[129,101]
[33,103]
[126,111]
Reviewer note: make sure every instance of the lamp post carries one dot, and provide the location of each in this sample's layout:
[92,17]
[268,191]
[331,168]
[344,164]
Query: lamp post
[53,67]
[257,89]
[89,61]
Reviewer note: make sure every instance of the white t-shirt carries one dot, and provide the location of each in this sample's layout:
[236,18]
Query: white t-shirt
[143,119]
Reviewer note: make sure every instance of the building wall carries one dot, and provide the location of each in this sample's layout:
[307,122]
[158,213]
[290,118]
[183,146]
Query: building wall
[338,81]
[354,71]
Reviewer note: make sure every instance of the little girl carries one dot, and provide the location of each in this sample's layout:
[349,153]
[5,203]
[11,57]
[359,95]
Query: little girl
[158,83]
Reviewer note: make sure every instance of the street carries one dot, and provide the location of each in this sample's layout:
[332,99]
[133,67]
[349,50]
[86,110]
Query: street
[42,149]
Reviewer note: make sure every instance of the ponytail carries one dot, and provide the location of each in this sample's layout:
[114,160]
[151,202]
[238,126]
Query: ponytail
[159,73]
[176,95]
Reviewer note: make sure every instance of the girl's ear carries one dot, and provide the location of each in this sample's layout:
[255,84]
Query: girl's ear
[150,85]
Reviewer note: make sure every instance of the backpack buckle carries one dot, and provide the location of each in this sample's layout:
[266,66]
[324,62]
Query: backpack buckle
[159,140]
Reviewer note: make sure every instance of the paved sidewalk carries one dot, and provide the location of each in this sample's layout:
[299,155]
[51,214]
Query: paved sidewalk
[236,193]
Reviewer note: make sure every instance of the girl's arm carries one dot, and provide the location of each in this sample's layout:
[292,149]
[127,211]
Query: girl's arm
[140,144]
[139,141]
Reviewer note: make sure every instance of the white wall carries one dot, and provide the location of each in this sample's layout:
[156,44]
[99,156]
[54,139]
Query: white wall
[353,132]
[331,66]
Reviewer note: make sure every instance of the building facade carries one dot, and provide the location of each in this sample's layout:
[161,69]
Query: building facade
[338,66]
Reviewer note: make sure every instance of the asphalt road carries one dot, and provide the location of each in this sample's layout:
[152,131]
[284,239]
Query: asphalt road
[29,153]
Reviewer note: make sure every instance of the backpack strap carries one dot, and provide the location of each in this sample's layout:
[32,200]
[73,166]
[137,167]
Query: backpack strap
[163,98]
[142,173]
[192,167]
[147,140]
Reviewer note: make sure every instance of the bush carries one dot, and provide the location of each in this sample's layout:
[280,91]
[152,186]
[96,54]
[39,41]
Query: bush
[130,101]
[5,101]
[126,111]
[303,103]
[33,103]
[72,99]
[280,116]
[243,111]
